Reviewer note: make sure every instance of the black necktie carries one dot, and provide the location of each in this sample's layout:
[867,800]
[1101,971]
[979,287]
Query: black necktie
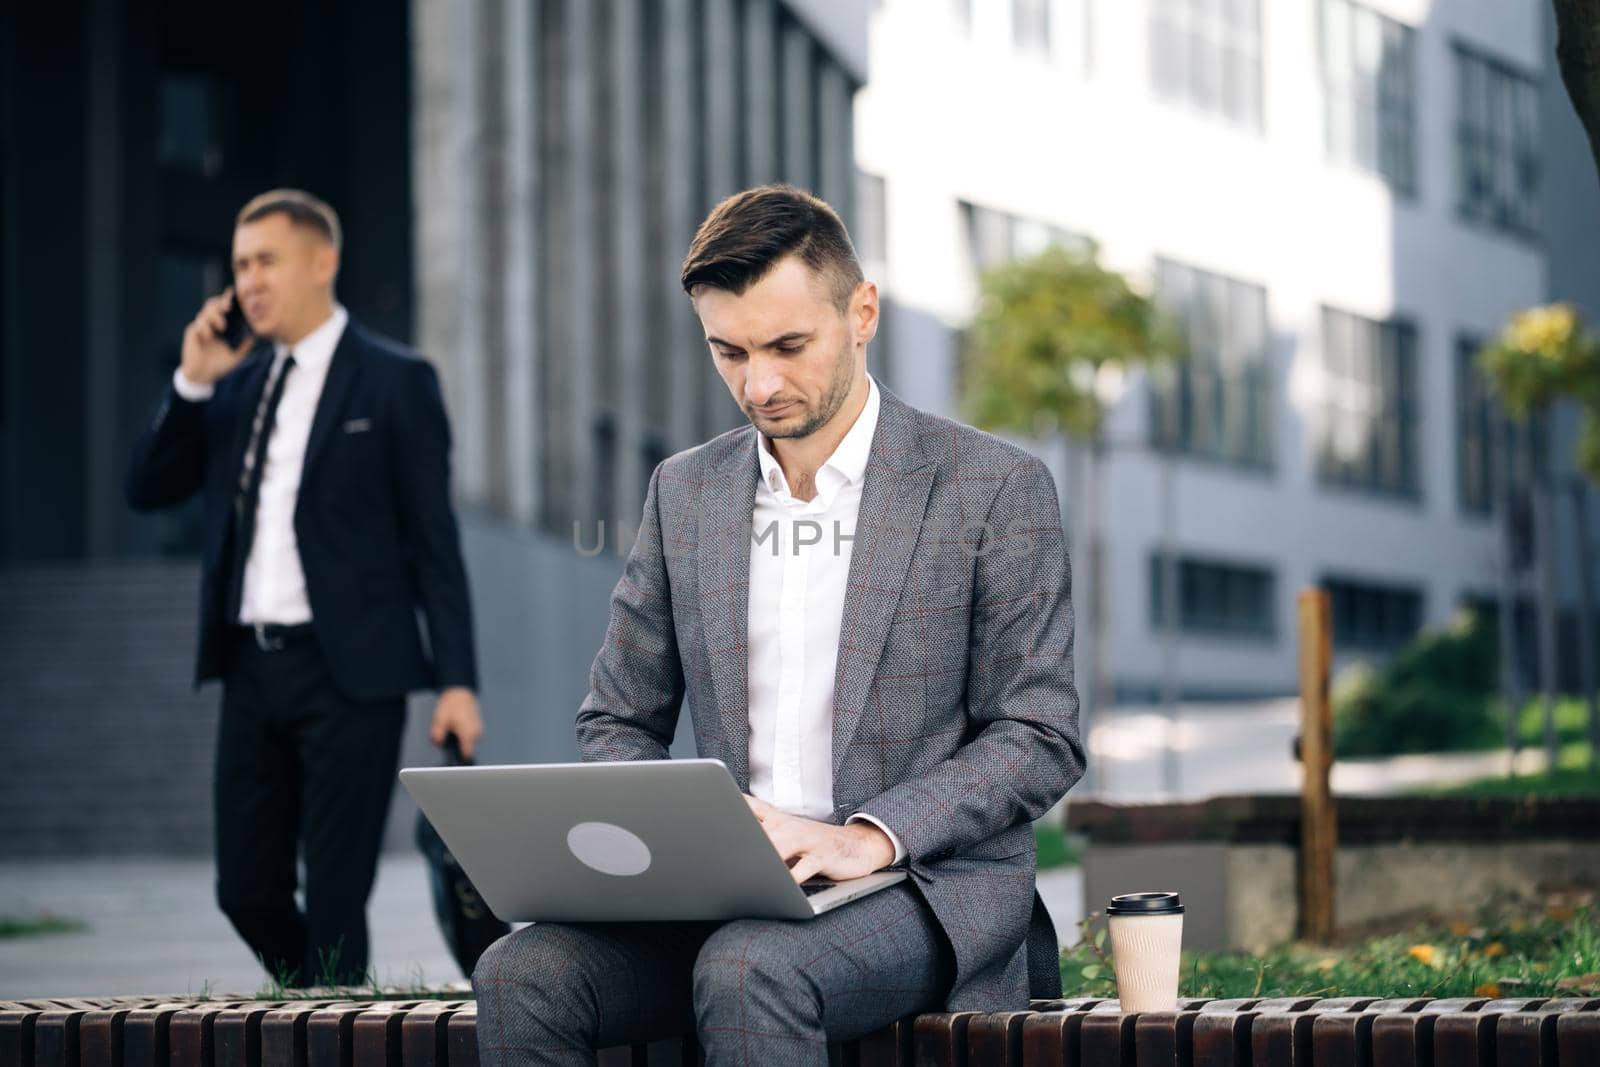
[248,492]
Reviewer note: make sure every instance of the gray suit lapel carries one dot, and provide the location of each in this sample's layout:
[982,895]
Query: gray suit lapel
[722,557]
[894,497]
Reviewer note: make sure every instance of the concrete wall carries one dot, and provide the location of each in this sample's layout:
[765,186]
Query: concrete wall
[565,153]
[1243,897]
[541,610]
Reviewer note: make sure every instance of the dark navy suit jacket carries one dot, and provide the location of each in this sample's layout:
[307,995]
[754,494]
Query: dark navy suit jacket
[373,524]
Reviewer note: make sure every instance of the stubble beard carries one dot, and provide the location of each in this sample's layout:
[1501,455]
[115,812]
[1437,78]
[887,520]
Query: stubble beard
[832,400]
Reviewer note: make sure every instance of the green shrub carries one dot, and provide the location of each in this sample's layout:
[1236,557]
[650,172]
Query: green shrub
[1435,695]
[1572,721]
[1056,849]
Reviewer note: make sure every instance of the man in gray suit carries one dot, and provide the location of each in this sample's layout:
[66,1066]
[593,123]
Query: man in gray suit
[869,611]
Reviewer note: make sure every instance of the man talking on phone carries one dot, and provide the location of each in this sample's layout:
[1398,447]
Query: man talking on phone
[322,454]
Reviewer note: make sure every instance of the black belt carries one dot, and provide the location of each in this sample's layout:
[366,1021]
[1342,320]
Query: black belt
[273,636]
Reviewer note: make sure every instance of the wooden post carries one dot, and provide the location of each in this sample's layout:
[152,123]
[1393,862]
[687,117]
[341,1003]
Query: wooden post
[1318,826]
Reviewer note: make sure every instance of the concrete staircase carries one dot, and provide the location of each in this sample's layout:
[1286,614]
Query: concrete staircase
[105,747]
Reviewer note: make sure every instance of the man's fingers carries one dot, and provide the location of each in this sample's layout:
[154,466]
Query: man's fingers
[210,324]
[458,715]
[806,868]
[807,846]
[781,833]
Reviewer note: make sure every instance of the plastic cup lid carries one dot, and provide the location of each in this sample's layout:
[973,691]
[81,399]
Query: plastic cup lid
[1145,904]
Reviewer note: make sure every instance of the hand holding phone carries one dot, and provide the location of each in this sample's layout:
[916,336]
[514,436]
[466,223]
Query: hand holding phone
[236,329]
[217,340]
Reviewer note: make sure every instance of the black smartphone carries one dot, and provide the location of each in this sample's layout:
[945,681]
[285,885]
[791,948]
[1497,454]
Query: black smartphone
[236,331]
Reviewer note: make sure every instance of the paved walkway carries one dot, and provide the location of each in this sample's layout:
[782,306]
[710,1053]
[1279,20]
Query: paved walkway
[153,927]
[1247,748]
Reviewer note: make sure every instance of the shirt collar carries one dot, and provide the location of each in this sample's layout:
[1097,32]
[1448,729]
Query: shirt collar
[315,350]
[848,463]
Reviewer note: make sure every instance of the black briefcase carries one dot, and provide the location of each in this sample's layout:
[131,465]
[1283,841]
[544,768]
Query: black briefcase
[469,927]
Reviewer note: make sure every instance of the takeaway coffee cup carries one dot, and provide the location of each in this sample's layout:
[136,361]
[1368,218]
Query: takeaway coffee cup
[1146,936]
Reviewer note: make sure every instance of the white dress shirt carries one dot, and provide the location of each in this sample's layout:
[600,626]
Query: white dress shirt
[274,583]
[800,554]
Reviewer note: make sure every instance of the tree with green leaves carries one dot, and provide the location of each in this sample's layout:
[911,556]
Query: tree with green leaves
[1544,356]
[1054,338]
[1049,333]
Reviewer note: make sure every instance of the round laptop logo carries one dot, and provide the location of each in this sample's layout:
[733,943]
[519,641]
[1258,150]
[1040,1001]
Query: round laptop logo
[608,848]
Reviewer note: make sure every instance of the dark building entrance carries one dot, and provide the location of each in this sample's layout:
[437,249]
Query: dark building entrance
[130,135]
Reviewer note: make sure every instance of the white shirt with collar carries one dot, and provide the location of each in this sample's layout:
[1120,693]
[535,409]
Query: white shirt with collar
[800,553]
[274,582]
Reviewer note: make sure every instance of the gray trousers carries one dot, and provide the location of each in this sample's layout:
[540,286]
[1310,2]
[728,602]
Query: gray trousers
[757,991]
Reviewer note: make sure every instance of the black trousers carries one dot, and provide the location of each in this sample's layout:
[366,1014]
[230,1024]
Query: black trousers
[300,769]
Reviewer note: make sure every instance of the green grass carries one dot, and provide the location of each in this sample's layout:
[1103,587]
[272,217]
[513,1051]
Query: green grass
[1572,777]
[38,925]
[1056,849]
[1507,954]
[1572,721]
[286,984]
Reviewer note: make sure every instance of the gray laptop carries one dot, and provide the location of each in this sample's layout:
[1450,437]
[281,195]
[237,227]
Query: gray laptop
[618,842]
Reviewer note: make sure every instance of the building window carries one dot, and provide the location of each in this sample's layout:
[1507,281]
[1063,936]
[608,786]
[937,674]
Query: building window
[1525,635]
[1218,402]
[872,244]
[872,210]
[1208,54]
[996,237]
[191,121]
[1030,26]
[1216,599]
[1372,617]
[1484,437]
[1497,144]
[1474,431]
[1369,77]
[1367,436]
[605,466]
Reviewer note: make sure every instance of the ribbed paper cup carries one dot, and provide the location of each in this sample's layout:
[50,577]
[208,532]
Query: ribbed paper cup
[1146,939]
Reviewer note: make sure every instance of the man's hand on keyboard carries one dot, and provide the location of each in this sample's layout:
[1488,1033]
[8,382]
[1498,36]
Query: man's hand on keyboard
[812,848]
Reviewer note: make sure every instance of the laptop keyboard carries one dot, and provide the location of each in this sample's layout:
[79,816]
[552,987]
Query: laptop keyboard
[814,886]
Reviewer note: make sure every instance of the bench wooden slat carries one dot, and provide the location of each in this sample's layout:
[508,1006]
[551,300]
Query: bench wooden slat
[996,1038]
[100,1037]
[462,1035]
[939,1039]
[1344,1039]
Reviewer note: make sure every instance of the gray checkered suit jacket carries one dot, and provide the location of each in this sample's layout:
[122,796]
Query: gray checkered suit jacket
[955,716]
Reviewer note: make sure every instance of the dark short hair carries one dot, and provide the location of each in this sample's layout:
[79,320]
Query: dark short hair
[746,235]
[302,209]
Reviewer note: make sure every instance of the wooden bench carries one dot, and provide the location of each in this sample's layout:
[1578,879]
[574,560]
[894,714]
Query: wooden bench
[400,1032]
